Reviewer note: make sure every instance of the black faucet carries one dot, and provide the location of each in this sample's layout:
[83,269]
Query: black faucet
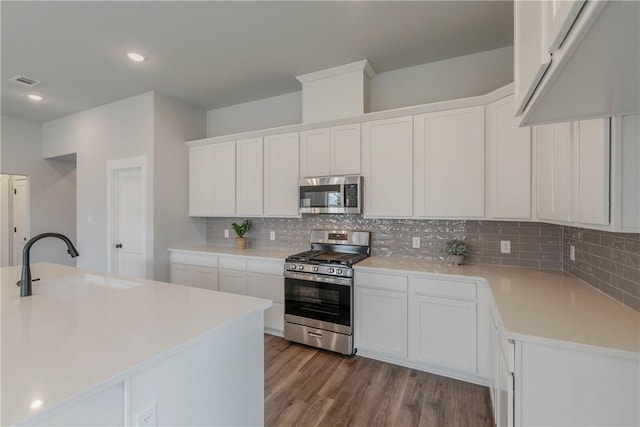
[25,281]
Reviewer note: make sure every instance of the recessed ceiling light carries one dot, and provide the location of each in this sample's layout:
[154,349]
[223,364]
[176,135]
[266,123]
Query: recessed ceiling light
[135,56]
[35,97]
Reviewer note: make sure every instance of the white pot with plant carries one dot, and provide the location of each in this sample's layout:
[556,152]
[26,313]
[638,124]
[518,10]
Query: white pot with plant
[241,230]
[457,250]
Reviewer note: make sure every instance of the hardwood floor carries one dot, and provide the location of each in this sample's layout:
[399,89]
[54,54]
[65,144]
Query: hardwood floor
[309,387]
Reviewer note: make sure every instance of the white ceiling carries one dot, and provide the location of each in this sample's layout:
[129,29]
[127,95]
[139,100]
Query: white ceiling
[214,54]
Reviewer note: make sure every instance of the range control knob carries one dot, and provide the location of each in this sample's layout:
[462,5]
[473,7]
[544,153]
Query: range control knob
[300,267]
[292,266]
[331,270]
[339,271]
[314,269]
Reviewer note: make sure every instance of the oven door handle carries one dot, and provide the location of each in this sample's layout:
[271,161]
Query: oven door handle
[310,277]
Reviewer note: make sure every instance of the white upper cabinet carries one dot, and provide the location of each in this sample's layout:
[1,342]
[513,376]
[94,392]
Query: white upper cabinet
[559,16]
[591,171]
[212,171]
[281,175]
[553,144]
[249,177]
[330,151]
[508,168]
[200,180]
[387,155]
[449,163]
[576,59]
[224,173]
[530,55]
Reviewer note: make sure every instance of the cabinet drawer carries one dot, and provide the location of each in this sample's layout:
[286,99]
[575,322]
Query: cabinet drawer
[443,288]
[233,263]
[381,281]
[266,286]
[189,259]
[267,267]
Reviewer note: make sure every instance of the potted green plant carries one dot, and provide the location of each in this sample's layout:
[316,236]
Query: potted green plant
[457,250]
[241,230]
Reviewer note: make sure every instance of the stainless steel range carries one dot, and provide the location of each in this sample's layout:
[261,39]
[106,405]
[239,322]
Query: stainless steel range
[318,300]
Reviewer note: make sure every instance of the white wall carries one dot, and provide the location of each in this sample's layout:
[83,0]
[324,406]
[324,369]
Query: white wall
[261,114]
[52,187]
[118,130]
[461,77]
[174,123]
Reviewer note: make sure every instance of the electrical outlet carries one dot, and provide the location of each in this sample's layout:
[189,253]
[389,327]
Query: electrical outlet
[505,246]
[572,253]
[416,242]
[226,234]
[148,417]
[272,235]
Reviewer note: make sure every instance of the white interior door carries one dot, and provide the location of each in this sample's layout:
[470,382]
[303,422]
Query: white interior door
[5,225]
[19,219]
[128,222]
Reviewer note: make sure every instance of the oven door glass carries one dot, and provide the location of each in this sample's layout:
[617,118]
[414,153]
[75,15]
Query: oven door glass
[321,196]
[320,301]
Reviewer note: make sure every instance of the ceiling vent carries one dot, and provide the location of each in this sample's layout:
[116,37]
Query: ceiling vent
[24,81]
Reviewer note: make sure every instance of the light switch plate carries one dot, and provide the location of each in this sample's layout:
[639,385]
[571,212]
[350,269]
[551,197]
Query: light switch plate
[416,242]
[272,235]
[505,246]
[572,253]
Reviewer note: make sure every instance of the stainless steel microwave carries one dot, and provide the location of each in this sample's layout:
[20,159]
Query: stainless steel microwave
[331,195]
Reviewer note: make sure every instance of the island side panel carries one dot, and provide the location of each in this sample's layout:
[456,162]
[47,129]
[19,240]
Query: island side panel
[219,381]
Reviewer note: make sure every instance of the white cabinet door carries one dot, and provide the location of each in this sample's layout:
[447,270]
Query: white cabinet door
[530,50]
[200,180]
[387,167]
[508,165]
[270,286]
[181,274]
[330,151]
[442,332]
[591,171]
[233,281]
[345,150]
[381,321]
[224,178]
[503,411]
[281,175]
[564,386]
[559,16]
[553,143]
[449,164]
[249,177]
[205,278]
[315,153]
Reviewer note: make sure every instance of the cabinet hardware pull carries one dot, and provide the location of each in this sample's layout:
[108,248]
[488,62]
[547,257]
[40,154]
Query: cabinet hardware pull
[313,334]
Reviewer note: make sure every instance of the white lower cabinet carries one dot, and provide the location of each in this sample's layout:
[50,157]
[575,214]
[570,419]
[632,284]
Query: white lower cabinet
[381,321]
[194,271]
[418,321]
[266,280]
[442,323]
[261,278]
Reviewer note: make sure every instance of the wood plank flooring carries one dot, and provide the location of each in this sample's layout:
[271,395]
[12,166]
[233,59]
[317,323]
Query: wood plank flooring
[310,387]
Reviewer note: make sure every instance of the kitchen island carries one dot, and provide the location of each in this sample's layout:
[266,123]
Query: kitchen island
[89,349]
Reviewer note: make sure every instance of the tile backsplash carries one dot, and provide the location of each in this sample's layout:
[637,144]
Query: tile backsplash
[532,244]
[609,262]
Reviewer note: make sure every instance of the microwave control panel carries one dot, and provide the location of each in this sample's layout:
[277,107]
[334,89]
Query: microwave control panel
[351,195]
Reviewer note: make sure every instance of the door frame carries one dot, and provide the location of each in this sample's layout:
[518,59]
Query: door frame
[113,167]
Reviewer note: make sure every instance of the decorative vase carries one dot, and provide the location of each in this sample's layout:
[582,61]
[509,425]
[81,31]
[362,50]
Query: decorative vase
[457,259]
[241,242]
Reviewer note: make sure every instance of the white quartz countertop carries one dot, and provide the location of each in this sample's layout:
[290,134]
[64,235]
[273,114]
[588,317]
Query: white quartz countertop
[68,339]
[539,303]
[231,250]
